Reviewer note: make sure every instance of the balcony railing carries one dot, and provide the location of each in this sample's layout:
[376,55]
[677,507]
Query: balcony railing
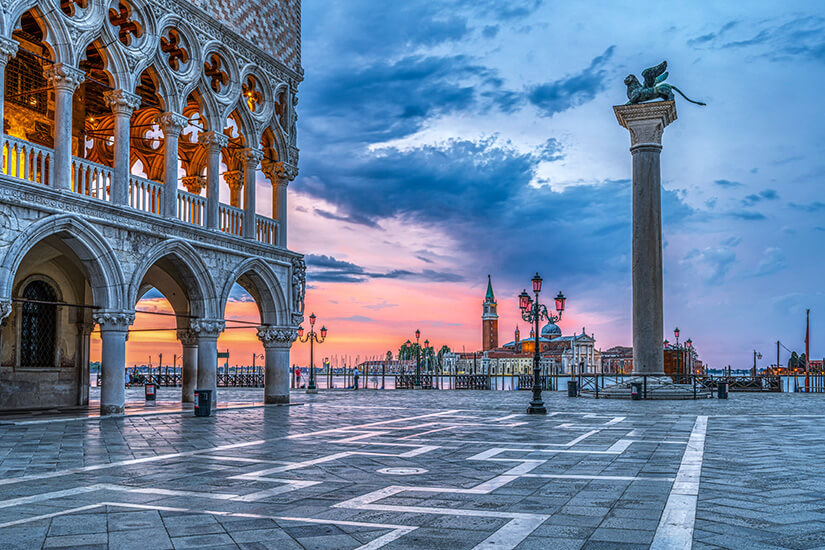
[26,161]
[145,194]
[191,208]
[266,230]
[91,179]
[230,219]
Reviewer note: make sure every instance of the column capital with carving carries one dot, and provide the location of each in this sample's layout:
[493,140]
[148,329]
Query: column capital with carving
[250,157]
[171,123]
[187,337]
[5,311]
[121,102]
[112,320]
[194,184]
[207,328]
[646,122]
[213,139]
[233,179]
[277,337]
[64,77]
[8,49]
[279,173]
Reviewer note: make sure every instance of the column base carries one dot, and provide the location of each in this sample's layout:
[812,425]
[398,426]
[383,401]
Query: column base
[417,387]
[276,399]
[107,410]
[312,390]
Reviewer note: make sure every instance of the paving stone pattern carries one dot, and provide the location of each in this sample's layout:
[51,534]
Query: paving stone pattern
[458,470]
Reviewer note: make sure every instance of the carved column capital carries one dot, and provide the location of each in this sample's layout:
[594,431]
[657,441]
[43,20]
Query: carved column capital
[64,77]
[171,123]
[5,311]
[187,337]
[121,102]
[277,337]
[233,179]
[115,321]
[207,328]
[213,140]
[646,121]
[279,173]
[8,49]
[194,184]
[250,157]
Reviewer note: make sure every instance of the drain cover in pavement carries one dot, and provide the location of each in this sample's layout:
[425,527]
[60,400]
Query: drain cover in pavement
[402,471]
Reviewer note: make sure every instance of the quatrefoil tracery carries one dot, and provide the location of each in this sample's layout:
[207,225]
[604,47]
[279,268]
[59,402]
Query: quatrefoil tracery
[172,46]
[129,29]
[251,95]
[70,7]
[213,69]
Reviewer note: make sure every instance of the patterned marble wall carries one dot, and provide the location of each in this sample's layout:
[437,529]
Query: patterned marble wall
[272,25]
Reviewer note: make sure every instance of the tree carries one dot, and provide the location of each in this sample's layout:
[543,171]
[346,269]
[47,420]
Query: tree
[444,349]
[389,356]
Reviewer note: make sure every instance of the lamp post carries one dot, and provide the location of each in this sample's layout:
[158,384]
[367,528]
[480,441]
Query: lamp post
[533,312]
[417,360]
[312,337]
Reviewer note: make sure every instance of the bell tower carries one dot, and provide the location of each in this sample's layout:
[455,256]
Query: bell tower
[489,319]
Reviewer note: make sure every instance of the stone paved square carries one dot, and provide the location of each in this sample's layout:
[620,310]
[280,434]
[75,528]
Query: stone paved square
[418,469]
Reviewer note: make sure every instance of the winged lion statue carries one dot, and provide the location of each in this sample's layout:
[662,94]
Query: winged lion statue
[654,86]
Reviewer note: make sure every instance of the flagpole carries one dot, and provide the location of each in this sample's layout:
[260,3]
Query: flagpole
[807,346]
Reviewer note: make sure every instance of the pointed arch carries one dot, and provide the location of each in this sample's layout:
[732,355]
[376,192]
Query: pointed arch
[196,280]
[257,277]
[100,261]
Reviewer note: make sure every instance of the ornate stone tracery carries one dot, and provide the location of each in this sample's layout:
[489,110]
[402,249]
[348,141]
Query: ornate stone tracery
[276,337]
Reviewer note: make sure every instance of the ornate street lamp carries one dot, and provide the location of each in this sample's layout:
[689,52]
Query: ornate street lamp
[312,337]
[417,361]
[533,313]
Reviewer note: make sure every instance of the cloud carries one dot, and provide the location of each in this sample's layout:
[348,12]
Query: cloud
[727,183]
[325,268]
[767,194]
[356,319]
[747,215]
[773,261]
[352,218]
[814,206]
[571,91]
[383,304]
[712,264]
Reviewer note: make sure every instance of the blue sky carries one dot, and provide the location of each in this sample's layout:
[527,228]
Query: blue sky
[444,141]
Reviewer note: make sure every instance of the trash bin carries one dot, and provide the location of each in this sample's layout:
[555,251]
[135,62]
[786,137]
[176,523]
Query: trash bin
[635,391]
[203,402]
[572,388]
[149,392]
[722,390]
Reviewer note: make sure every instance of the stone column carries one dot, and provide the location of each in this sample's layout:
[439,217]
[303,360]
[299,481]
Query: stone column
[207,331]
[114,326]
[214,142]
[189,364]
[250,159]
[85,331]
[8,49]
[122,104]
[646,123]
[234,180]
[172,125]
[280,175]
[277,342]
[5,311]
[65,79]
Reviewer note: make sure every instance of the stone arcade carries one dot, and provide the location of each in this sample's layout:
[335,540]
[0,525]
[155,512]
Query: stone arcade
[112,108]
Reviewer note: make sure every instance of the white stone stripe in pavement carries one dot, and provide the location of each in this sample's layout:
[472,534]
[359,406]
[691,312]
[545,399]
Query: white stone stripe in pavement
[679,516]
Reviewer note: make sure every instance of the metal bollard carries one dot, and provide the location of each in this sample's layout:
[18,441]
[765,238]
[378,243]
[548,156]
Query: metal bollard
[722,390]
[636,391]
[572,388]
[149,391]
[203,402]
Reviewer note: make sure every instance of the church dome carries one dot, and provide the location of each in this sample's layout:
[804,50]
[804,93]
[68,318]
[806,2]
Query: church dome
[550,330]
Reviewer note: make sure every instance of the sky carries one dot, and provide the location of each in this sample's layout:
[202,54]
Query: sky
[445,141]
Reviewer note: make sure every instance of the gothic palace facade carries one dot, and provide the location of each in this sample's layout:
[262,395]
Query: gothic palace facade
[122,121]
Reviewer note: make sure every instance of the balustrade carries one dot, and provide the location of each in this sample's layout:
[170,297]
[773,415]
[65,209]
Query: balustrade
[26,161]
[191,208]
[266,230]
[91,179]
[145,194]
[230,219]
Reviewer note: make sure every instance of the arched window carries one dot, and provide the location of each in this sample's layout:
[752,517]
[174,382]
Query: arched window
[38,325]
